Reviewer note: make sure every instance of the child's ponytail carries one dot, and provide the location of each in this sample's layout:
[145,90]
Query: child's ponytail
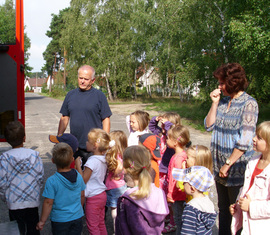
[120,139]
[136,161]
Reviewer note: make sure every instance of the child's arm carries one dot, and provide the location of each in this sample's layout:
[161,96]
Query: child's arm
[82,198]
[184,164]
[170,187]
[170,200]
[3,178]
[78,165]
[46,210]
[153,174]
[86,174]
[188,221]
[257,209]
[244,203]
[39,169]
[232,208]
[167,125]
[153,125]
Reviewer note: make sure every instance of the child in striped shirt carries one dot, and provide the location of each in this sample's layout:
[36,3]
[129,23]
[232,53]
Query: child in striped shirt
[199,215]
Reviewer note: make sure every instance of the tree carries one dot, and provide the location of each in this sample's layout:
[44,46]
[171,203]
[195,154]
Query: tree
[185,40]
[8,31]
[104,41]
[54,54]
[250,31]
[7,23]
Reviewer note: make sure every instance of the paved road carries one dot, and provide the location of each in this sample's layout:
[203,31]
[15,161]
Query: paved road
[42,117]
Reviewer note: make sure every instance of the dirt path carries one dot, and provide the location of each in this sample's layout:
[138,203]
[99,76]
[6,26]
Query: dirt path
[197,137]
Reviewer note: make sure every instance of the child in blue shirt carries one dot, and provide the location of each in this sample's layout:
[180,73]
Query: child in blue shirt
[64,195]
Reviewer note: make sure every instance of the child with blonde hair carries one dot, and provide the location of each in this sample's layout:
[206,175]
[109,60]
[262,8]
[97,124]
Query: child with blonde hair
[197,155]
[178,137]
[142,209]
[115,182]
[251,210]
[137,123]
[94,174]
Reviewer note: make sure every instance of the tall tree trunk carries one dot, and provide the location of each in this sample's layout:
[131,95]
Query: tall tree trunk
[114,84]
[180,91]
[53,70]
[222,18]
[134,84]
[167,84]
[65,66]
[172,83]
[148,87]
[149,90]
[108,85]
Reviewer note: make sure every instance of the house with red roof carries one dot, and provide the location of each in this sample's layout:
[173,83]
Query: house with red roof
[34,84]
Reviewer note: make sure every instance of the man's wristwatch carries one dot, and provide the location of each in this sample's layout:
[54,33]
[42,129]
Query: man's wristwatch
[228,162]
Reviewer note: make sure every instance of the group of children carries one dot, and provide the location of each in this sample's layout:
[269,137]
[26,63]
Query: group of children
[154,181]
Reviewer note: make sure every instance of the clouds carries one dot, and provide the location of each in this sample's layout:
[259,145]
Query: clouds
[37,18]
[36,58]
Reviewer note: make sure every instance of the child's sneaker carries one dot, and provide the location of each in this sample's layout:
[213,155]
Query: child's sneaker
[169,228]
[167,219]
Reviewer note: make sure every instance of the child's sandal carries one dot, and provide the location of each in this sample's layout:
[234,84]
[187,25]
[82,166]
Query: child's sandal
[169,228]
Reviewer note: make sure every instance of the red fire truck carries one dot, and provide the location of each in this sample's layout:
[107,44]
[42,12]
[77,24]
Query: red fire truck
[12,75]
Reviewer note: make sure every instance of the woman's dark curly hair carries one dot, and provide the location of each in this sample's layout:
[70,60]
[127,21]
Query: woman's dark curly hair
[234,77]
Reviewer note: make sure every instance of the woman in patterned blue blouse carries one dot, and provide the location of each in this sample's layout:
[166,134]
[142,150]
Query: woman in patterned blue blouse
[233,122]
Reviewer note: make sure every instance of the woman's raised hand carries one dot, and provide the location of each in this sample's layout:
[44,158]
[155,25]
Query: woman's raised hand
[215,95]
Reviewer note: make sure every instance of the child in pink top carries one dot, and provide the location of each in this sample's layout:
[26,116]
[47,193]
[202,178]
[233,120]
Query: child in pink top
[178,137]
[159,125]
[115,182]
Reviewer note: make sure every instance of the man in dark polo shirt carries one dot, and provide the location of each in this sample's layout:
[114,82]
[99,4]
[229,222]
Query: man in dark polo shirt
[85,108]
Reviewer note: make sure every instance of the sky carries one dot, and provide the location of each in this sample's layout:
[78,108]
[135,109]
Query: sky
[37,19]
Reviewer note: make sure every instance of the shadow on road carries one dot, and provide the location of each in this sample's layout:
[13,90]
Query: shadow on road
[28,98]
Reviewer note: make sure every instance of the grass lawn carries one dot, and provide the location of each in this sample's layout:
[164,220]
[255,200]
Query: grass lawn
[192,113]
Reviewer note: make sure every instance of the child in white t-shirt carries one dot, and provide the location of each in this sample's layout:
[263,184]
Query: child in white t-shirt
[137,123]
[93,175]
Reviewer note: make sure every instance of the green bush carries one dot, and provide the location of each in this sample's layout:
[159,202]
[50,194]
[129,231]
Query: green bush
[58,91]
[44,89]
